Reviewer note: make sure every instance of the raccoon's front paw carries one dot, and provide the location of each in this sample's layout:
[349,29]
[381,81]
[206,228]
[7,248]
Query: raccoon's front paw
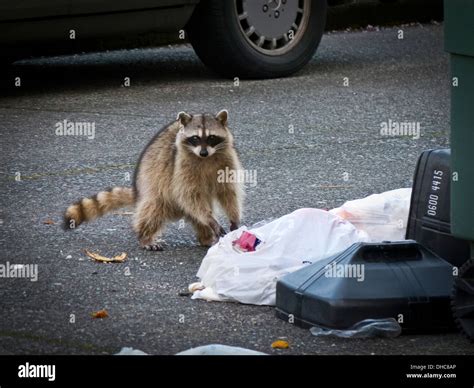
[222,232]
[234,225]
[153,247]
[207,239]
[218,230]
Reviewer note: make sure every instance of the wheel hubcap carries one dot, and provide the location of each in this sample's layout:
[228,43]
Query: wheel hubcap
[272,27]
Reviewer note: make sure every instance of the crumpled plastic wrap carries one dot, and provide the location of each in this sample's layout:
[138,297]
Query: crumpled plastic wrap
[368,328]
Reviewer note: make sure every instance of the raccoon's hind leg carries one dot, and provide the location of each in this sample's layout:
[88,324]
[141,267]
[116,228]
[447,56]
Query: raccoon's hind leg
[148,223]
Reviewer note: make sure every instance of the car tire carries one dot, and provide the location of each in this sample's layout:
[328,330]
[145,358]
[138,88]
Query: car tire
[234,38]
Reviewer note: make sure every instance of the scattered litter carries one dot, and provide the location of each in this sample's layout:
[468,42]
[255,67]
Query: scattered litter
[247,242]
[68,257]
[193,287]
[219,350]
[185,293]
[306,235]
[103,259]
[293,241]
[100,314]
[368,328]
[382,216]
[206,293]
[130,352]
[280,344]
[49,222]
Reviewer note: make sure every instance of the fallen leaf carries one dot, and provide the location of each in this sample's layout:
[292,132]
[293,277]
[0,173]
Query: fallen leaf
[100,314]
[103,259]
[49,222]
[280,344]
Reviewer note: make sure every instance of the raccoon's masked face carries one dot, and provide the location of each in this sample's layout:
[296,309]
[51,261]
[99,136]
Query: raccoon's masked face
[204,135]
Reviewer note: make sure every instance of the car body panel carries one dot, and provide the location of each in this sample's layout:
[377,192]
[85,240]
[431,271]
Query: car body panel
[32,30]
[106,6]
[34,9]
[28,9]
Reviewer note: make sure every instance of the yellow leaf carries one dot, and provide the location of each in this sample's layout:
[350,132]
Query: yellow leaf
[103,259]
[280,344]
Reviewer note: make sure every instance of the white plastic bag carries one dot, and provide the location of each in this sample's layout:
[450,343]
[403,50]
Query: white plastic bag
[219,350]
[288,243]
[382,216]
[131,352]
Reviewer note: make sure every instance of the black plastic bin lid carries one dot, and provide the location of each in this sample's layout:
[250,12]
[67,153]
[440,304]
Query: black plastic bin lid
[400,279]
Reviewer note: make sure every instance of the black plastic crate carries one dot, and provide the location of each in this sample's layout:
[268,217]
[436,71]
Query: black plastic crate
[402,280]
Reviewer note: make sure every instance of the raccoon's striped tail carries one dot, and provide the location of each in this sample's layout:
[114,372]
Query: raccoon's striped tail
[88,209]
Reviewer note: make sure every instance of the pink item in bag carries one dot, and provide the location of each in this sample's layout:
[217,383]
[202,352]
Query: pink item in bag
[247,242]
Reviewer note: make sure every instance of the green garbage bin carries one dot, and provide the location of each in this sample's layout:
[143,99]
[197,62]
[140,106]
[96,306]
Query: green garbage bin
[459,42]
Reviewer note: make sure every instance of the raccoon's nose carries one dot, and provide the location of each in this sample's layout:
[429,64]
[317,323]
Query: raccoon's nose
[204,152]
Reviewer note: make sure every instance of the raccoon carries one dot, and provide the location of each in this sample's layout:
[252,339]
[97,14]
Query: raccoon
[176,178]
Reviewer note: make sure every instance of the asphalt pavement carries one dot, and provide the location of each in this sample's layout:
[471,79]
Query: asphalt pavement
[314,140]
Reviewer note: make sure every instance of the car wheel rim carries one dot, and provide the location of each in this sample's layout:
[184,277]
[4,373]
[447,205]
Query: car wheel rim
[272,27]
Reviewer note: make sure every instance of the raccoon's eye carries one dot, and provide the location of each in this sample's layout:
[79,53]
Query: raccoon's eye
[214,140]
[194,140]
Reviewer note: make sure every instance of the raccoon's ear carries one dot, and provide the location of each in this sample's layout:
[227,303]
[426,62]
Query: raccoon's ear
[184,118]
[222,116]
